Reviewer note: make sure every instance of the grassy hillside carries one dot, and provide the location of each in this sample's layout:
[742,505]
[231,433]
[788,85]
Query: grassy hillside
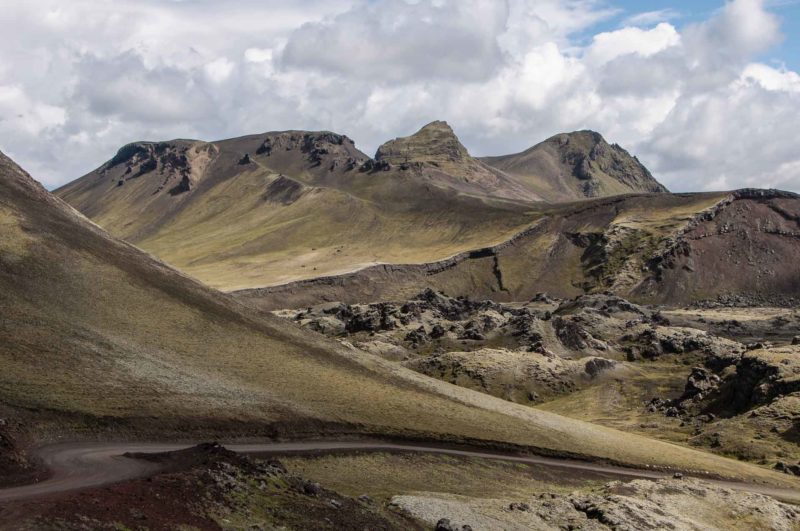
[268,209]
[577,165]
[669,249]
[95,331]
[300,205]
[569,249]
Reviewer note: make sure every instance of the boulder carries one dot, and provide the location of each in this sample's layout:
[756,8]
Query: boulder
[700,382]
[596,366]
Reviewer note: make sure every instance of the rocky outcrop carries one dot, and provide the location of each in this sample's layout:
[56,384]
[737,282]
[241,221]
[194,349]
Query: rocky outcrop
[677,504]
[519,376]
[756,378]
[436,152]
[591,159]
[653,342]
[428,316]
[170,162]
[321,149]
[523,353]
[435,144]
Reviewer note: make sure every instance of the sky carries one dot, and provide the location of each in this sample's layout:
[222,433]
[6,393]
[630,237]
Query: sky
[706,93]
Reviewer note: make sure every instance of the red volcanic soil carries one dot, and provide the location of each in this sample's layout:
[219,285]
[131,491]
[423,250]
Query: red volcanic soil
[15,466]
[200,488]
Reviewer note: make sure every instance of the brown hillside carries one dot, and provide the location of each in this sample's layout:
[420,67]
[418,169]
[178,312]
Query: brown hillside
[268,209]
[436,152]
[670,249]
[577,165]
[224,212]
[103,338]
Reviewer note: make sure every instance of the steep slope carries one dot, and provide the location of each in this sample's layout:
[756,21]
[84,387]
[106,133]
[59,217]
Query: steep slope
[98,337]
[263,210]
[273,208]
[663,248]
[436,153]
[575,166]
[147,184]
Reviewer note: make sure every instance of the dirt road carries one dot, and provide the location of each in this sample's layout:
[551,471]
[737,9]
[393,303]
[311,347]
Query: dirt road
[79,465]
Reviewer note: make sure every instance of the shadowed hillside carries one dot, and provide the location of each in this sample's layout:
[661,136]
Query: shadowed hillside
[105,338]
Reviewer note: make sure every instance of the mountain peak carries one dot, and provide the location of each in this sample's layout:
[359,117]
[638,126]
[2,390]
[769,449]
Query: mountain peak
[437,125]
[583,140]
[435,143]
[585,135]
[594,160]
[577,165]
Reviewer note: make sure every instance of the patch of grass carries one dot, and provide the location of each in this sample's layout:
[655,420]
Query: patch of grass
[383,475]
[620,404]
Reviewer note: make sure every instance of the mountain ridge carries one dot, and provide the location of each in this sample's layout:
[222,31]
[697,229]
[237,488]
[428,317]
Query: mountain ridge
[437,147]
[204,206]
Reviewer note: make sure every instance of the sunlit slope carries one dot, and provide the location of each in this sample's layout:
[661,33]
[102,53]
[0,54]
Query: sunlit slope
[237,214]
[573,248]
[93,328]
[264,210]
[259,229]
[577,165]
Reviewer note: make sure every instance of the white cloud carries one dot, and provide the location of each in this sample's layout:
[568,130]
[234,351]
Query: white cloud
[79,79]
[631,41]
[258,55]
[395,41]
[219,70]
[772,79]
[20,113]
[738,31]
[649,18]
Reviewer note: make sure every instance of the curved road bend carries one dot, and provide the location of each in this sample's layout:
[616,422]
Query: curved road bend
[76,466]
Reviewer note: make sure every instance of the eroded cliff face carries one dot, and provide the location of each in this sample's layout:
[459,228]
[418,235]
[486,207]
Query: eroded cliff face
[743,250]
[171,167]
[737,248]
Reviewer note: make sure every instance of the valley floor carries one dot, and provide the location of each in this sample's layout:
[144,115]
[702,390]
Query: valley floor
[717,377]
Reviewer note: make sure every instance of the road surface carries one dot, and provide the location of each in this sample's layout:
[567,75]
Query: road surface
[76,466]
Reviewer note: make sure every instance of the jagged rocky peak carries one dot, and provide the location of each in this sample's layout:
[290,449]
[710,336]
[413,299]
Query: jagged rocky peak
[144,157]
[317,147]
[592,158]
[434,143]
[174,163]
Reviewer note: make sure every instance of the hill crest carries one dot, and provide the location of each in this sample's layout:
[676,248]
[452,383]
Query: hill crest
[581,164]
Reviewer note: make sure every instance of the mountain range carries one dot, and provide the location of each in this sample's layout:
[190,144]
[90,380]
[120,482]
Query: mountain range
[274,208]
[295,217]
